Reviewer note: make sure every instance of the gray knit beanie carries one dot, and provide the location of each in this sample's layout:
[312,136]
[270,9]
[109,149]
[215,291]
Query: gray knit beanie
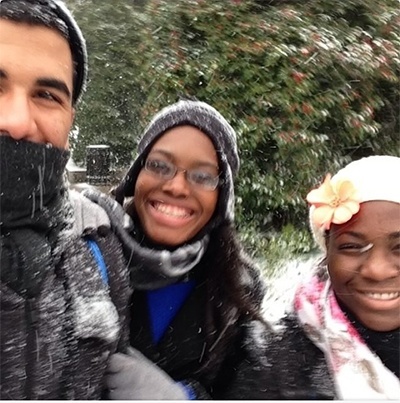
[207,119]
[53,14]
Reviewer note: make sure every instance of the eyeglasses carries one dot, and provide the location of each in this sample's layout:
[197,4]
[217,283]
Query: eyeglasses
[167,171]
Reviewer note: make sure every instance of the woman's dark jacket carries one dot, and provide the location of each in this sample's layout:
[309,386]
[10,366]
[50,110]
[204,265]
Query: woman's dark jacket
[204,344]
[284,365]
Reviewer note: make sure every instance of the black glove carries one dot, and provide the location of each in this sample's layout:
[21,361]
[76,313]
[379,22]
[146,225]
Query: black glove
[134,377]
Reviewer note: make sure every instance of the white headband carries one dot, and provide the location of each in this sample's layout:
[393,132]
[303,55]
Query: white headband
[374,178]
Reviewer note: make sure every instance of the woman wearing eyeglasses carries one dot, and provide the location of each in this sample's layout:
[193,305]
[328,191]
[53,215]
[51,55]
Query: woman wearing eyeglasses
[195,289]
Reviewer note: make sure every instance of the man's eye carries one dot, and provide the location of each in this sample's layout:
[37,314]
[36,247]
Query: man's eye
[48,96]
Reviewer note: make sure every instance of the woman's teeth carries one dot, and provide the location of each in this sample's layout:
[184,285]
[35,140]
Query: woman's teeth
[383,295]
[172,210]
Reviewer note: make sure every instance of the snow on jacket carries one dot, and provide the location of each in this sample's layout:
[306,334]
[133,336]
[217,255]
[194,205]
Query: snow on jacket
[59,320]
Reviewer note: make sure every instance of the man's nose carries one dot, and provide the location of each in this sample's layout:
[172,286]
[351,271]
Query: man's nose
[17,118]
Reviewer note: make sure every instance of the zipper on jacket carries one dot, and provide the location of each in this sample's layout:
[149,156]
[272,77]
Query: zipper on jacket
[31,345]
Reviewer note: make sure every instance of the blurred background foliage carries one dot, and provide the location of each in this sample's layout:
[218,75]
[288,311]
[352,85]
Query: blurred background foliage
[307,85]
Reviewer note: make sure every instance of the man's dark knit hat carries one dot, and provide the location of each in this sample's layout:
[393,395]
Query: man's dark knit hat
[205,118]
[13,10]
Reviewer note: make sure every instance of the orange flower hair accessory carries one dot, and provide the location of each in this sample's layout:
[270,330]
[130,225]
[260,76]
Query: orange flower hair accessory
[334,202]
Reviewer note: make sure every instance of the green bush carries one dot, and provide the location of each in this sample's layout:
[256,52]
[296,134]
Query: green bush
[308,86]
[108,113]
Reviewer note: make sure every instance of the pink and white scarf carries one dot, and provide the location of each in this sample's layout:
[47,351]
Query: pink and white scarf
[357,371]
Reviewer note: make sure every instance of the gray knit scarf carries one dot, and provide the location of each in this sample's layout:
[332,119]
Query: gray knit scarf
[37,233]
[32,197]
[149,268]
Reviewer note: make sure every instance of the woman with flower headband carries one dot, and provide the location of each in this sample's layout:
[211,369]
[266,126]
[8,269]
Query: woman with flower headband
[341,338]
